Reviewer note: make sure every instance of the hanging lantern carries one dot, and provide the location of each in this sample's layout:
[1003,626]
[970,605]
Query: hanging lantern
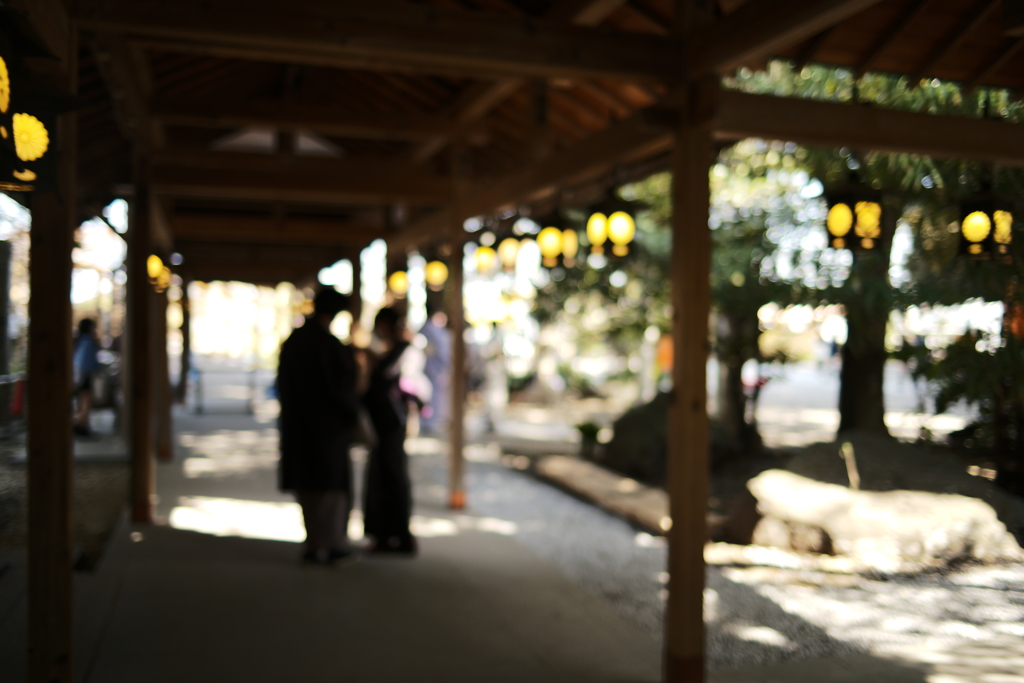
[154,267]
[621,230]
[28,114]
[597,232]
[398,283]
[986,229]
[436,274]
[486,258]
[859,212]
[570,247]
[507,251]
[550,242]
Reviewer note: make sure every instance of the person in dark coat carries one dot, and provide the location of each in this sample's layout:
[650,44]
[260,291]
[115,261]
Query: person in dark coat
[387,504]
[316,386]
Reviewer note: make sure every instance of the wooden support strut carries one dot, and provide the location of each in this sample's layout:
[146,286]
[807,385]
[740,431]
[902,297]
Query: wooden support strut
[50,461]
[688,439]
[140,303]
[457,428]
[162,386]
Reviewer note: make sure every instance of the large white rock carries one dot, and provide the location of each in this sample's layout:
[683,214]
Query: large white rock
[889,531]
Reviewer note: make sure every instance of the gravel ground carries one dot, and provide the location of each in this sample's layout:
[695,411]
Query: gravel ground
[755,615]
[100,497]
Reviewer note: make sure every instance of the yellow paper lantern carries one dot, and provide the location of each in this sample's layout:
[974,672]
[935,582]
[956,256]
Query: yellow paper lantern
[975,228]
[597,232]
[550,242]
[1004,227]
[436,274]
[398,283]
[570,246]
[507,251]
[869,219]
[154,266]
[840,220]
[621,230]
[485,259]
[5,87]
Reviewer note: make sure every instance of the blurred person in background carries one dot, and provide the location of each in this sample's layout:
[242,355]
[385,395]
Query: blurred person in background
[85,364]
[395,386]
[437,368]
[316,386]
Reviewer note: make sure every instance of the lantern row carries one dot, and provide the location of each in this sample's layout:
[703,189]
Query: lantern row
[619,228]
[986,225]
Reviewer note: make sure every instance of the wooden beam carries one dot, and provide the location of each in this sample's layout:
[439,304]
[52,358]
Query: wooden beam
[161,239]
[479,99]
[688,428]
[760,28]
[827,124]
[163,398]
[52,25]
[256,262]
[129,84]
[811,49]
[457,387]
[640,136]
[257,229]
[294,116]
[471,106]
[1013,18]
[268,178]
[583,12]
[888,37]
[1009,48]
[388,36]
[971,23]
[50,463]
[140,352]
[195,253]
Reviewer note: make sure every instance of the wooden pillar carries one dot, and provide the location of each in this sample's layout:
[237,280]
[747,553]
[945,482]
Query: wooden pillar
[139,324]
[50,462]
[162,381]
[181,391]
[457,415]
[356,303]
[688,440]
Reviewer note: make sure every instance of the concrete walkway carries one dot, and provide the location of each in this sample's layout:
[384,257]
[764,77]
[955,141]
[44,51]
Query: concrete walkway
[172,604]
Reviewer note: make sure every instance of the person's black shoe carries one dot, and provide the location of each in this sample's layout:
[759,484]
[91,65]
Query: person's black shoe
[310,557]
[396,546]
[341,558]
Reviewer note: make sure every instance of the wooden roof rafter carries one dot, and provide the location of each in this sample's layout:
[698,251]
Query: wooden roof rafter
[386,36]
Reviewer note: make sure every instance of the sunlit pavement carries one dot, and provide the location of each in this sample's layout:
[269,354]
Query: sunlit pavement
[216,592]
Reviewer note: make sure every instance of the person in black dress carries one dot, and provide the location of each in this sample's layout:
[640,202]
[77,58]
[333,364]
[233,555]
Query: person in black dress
[316,385]
[387,503]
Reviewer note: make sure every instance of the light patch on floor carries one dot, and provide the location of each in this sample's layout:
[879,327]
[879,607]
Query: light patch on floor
[245,518]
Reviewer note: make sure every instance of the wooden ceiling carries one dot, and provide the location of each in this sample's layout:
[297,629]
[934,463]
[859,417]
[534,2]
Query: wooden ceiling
[368,120]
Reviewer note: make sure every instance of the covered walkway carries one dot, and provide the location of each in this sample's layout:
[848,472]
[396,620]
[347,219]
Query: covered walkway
[527,585]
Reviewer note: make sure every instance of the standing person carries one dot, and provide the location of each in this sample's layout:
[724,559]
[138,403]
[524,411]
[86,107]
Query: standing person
[316,385]
[387,503]
[85,365]
[437,369]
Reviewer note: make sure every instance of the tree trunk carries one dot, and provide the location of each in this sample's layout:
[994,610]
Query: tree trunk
[736,344]
[868,301]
